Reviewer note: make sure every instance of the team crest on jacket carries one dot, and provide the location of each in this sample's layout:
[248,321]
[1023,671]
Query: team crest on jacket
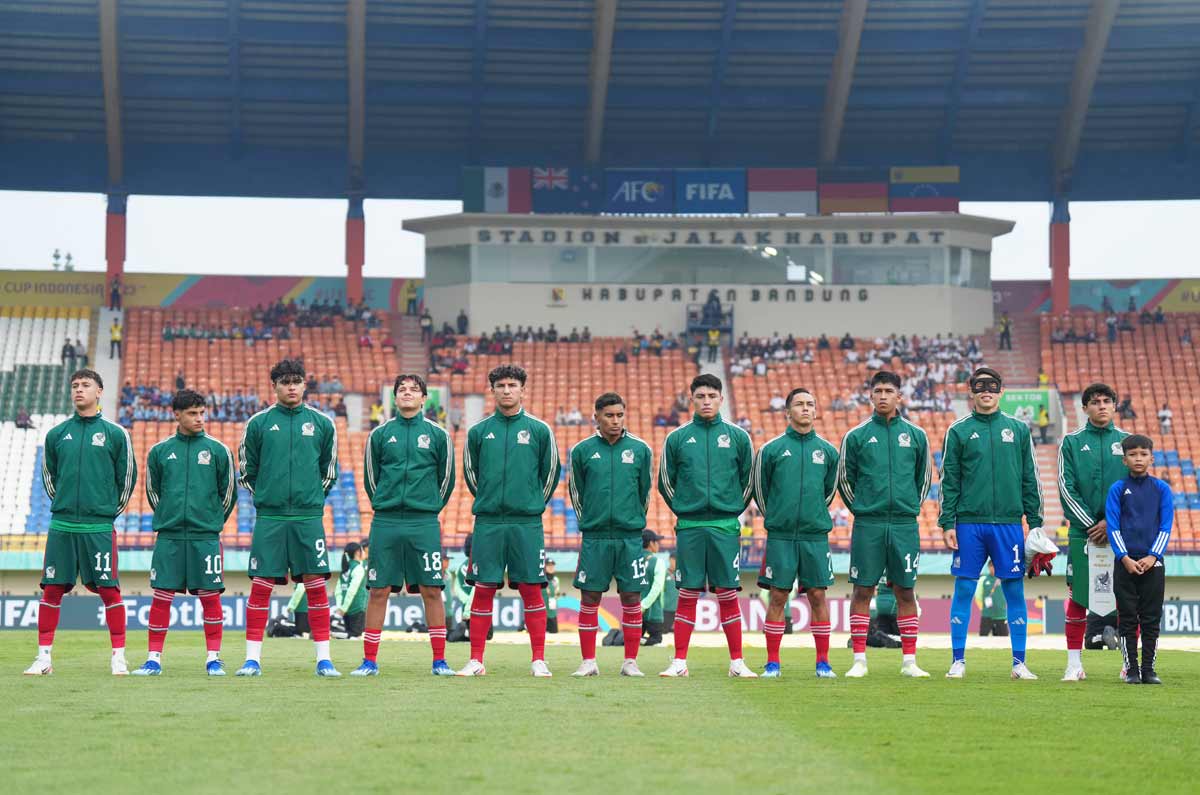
[723,440]
[1116,449]
[308,429]
[818,456]
[904,440]
[626,456]
[582,576]
[522,437]
[1006,435]
[371,575]
[97,440]
[423,441]
[204,458]
[50,571]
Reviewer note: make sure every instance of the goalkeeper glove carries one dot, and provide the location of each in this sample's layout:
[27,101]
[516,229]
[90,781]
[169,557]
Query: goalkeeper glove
[1039,553]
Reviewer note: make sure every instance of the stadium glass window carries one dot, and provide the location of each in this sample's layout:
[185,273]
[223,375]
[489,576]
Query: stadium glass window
[899,267]
[516,264]
[716,265]
[447,265]
[970,268]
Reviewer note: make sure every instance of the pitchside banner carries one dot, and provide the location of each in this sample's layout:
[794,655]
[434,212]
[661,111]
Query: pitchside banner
[86,612]
[1024,403]
[1178,618]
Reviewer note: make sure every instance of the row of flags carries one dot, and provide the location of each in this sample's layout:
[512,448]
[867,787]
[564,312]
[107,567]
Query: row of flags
[807,191]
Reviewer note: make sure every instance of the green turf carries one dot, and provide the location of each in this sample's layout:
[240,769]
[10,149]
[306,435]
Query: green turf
[409,732]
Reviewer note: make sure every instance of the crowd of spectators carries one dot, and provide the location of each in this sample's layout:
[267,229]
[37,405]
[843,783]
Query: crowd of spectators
[144,403]
[1115,323]
[276,321]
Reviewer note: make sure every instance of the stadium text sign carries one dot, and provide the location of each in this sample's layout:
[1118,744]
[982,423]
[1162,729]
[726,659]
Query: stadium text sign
[706,237]
[787,295]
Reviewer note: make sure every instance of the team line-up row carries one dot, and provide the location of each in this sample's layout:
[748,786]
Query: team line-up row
[708,473]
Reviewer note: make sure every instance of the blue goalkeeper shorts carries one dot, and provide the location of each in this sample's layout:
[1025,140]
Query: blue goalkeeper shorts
[1003,543]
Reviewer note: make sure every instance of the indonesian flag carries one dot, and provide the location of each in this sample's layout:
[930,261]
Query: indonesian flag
[782,190]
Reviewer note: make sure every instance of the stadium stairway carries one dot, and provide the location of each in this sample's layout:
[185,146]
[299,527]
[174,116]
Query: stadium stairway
[1018,367]
[108,367]
[412,355]
[1047,461]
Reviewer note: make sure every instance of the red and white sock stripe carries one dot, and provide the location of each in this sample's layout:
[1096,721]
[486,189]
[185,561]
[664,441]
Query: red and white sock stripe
[435,632]
[821,629]
[774,627]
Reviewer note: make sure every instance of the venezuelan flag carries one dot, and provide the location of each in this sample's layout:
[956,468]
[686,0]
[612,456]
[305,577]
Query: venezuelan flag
[915,189]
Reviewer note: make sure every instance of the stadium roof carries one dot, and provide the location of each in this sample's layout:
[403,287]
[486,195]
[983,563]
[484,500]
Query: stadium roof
[1093,99]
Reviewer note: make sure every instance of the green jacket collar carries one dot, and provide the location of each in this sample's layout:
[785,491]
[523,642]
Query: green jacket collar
[183,437]
[1097,429]
[698,420]
[505,418]
[986,417]
[795,434]
[292,411]
[881,421]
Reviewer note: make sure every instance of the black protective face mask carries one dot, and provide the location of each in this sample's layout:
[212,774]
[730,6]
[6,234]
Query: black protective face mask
[979,387]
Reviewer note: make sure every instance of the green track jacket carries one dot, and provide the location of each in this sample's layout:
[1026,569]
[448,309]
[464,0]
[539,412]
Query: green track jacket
[610,484]
[89,471]
[190,484]
[989,473]
[288,460]
[408,465]
[885,470]
[704,470]
[511,466]
[795,478]
[1090,460]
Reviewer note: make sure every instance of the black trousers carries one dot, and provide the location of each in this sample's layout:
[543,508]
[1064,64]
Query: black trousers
[355,624]
[993,626]
[301,621]
[1139,605]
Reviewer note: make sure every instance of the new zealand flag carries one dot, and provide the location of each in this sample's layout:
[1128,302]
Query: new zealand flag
[567,190]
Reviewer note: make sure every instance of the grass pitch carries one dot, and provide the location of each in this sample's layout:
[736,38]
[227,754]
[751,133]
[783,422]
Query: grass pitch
[407,731]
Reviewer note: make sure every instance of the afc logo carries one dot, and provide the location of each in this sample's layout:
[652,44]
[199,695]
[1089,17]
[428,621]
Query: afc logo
[640,190]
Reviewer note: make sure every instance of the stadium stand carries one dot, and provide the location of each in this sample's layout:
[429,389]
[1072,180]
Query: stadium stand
[1152,364]
[33,370]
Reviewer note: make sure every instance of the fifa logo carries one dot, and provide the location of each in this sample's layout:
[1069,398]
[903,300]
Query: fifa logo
[639,190]
[709,191]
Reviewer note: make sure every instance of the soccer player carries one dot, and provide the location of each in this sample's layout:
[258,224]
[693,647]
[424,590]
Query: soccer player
[511,466]
[795,478]
[1090,460]
[88,471]
[883,478]
[288,460]
[408,469]
[610,491]
[190,487]
[989,482]
[704,476]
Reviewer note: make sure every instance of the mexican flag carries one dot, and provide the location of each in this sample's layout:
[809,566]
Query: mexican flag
[489,189]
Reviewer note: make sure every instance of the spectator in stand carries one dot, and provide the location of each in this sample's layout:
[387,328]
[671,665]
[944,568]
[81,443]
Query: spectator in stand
[1145,318]
[823,343]
[619,357]
[660,419]
[776,403]
[180,380]
[426,322]
[1005,332]
[760,367]
[851,356]
[808,357]
[847,342]
[744,423]
[410,297]
[114,295]
[461,322]
[1043,379]
[1110,326]
[1186,337]
[1164,419]
[337,385]
[552,334]
[339,409]
[364,341]
[714,343]
[115,332]
[460,366]
[586,336]
[673,419]
[388,343]
[575,417]
[24,421]
[68,353]
[376,416]
[1160,317]
[560,418]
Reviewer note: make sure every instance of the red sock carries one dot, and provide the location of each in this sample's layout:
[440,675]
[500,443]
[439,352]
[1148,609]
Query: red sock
[731,621]
[820,633]
[535,618]
[481,619]
[685,621]
[437,642]
[774,632]
[52,596]
[588,624]
[214,619]
[859,623]
[160,618]
[908,633]
[1076,626]
[114,615]
[631,629]
[371,638]
[258,608]
[318,608]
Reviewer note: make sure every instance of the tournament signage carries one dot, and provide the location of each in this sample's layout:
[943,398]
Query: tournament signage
[631,190]
[703,190]
[600,236]
[1024,403]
